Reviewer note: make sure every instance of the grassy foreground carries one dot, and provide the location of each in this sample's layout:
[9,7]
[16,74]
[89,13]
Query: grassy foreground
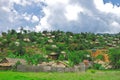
[98,75]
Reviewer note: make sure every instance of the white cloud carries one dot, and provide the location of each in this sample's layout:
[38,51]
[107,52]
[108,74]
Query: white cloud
[66,15]
[115,24]
[61,15]
[72,12]
[21,2]
[55,2]
[27,17]
[51,11]
[6,9]
[35,19]
[43,24]
[80,16]
[107,7]
[37,1]
[115,27]
[15,13]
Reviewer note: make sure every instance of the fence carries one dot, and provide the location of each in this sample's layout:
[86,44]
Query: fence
[30,68]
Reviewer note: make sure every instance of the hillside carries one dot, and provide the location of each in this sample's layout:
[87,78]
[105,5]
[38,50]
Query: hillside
[55,45]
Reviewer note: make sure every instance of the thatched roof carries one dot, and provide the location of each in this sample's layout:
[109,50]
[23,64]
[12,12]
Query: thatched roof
[11,61]
[53,54]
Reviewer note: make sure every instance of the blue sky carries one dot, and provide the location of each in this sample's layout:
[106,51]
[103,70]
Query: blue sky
[115,2]
[98,16]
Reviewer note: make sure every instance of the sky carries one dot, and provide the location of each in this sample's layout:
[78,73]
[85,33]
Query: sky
[96,16]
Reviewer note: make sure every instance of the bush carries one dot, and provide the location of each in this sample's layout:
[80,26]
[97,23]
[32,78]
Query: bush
[114,55]
[35,59]
[18,49]
[77,57]
[61,57]
[74,58]
[100,57]
[14,68]
[98,66]
[62,47]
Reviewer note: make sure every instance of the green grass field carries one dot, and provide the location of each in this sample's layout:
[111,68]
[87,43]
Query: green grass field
[98,75]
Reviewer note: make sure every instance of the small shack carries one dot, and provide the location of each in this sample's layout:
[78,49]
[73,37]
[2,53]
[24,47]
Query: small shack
[53,55]
[8,63]
[4,64]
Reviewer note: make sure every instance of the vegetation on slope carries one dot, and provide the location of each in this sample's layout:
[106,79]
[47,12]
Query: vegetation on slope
[73,47]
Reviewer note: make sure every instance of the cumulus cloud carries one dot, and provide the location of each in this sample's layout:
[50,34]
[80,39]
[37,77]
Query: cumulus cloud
[107,8]
[80,16]
[16,13]
[66,15]
[72,12]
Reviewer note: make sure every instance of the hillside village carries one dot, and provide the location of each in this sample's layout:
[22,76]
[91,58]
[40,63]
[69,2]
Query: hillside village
[66,47]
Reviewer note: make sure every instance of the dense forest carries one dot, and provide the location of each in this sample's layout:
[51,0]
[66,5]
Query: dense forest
[37,47]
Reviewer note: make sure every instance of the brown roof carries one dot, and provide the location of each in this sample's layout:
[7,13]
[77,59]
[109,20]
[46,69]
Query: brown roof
[11,61]
[5,64]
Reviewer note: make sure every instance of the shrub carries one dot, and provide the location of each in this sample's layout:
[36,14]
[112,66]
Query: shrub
[76,57]
[61,57]
[98,66]
[15,66]
[114,55]
[35,59]
[62,47]
[100,57]
[18,49]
